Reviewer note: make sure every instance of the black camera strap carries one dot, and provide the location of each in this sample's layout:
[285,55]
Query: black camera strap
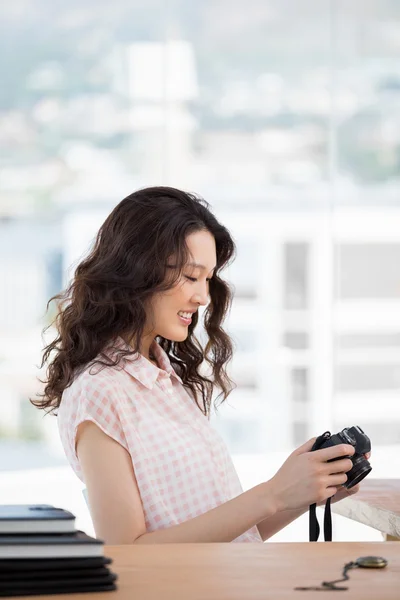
[314,525]
[313,521]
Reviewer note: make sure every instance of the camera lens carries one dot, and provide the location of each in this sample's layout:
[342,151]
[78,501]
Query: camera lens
[361,468]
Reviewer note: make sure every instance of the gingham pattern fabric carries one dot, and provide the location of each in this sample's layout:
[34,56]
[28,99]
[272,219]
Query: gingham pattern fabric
[181,464]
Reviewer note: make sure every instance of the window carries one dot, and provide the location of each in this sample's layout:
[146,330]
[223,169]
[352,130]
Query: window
[369,271]
[368,340]
[299,384]
[368,377]
[243,272]
[296,276]
[296,340]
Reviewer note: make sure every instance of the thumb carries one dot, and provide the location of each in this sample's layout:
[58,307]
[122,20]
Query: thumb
[305,447]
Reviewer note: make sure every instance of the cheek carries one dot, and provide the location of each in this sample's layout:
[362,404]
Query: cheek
[181,292]
[176,299]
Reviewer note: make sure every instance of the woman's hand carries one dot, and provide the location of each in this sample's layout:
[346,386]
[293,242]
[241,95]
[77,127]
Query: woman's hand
[308,477]
[344,492]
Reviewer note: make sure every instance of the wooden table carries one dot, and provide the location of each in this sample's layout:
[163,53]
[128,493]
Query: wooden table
[377,504]
[247,571]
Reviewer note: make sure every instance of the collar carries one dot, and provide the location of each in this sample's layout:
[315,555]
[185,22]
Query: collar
[142,369]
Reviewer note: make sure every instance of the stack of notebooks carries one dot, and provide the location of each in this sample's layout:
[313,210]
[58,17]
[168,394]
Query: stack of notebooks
[41,552]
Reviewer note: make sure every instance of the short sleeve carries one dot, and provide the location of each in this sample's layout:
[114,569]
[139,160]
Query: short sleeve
[89,398]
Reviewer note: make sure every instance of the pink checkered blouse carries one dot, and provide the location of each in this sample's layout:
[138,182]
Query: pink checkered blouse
[182,466]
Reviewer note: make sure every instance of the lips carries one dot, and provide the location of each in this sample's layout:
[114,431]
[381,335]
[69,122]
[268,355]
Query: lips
[185,314]
[185,320]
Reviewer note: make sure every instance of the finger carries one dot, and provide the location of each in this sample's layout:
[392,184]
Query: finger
[305,447]
[334,452]
[368,455]
[338,466]
[331,491]
[354,490]
[337,480]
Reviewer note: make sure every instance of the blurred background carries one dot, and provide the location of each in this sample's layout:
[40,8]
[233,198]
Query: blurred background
[285,117]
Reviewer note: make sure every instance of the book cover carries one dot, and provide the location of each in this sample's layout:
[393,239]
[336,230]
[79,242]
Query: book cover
[66,584]
[53,574]
[77,544]
[108,587]
[35,518]
[28,565]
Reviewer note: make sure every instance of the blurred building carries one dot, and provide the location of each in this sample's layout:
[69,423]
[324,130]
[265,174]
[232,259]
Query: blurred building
[217,101]
[30,272]
[317,323]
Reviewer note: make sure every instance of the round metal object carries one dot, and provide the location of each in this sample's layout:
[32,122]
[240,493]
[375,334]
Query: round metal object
[371,562]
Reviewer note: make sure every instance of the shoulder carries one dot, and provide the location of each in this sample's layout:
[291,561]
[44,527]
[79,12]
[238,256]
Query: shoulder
[97,395]
[96,384]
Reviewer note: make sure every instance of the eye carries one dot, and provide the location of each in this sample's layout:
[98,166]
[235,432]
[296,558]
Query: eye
[194,278]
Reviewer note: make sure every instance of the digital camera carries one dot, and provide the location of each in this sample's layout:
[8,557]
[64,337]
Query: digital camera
[362,444]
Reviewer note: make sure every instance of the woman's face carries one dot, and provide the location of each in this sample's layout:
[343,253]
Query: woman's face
[172,310]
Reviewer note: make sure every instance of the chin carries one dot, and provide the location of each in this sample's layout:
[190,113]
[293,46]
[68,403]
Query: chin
[180,336]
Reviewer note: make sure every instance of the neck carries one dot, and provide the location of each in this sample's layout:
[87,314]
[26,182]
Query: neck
[145,345]
[145,348]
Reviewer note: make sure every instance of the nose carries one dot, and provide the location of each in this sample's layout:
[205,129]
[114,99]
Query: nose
[201,294]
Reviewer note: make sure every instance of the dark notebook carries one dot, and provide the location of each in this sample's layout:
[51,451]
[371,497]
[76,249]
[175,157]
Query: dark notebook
[109,587]
[60,545]
[48,564]
[35,518]
[54,574]
[65,584]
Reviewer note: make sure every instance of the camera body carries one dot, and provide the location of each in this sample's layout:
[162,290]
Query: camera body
[355,437]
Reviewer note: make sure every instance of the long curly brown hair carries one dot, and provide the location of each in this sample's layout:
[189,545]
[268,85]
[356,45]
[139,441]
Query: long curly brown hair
[112,286]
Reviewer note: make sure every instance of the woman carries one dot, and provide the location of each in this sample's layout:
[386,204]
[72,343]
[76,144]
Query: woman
[126,378]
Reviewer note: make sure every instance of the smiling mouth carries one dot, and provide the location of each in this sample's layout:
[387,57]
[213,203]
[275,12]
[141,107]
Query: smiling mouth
[184,319]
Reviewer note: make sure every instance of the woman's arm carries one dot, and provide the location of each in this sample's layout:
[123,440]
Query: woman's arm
[305,478]
[116,507]
[272,525]
[278,521]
